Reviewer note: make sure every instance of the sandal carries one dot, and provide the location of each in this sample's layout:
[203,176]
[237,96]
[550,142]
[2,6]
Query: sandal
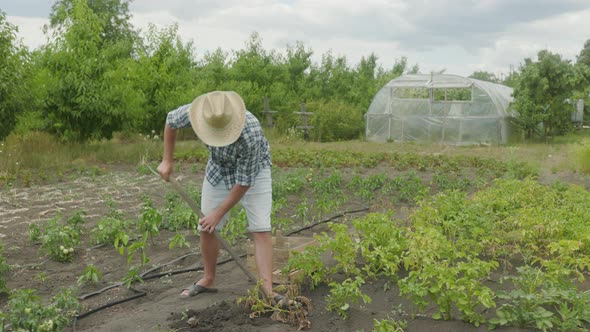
[195,289]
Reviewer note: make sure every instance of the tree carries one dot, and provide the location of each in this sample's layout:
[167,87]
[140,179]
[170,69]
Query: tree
[484,76]
[584,57]
[541,93]
[298,63]
[113,14]
[166,76]
[90,90]
[13,58]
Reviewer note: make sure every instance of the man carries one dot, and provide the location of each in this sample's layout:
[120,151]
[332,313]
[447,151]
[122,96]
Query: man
[238,170]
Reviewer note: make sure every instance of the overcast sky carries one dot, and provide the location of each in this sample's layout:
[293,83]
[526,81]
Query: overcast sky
[460,36]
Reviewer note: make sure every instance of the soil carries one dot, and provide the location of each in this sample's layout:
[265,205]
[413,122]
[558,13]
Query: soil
[161,309]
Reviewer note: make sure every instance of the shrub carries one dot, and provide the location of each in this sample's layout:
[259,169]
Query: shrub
[335,121]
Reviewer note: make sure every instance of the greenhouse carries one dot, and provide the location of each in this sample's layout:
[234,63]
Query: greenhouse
[440,108]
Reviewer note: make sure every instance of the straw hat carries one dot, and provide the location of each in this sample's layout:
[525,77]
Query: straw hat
[218,117]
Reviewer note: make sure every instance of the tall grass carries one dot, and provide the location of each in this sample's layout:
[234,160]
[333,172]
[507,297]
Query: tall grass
[582,156]
[38,151]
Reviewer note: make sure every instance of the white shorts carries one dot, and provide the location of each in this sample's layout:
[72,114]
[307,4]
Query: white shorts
[257,201]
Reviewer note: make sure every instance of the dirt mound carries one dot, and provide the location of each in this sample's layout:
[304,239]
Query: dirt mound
[223,316]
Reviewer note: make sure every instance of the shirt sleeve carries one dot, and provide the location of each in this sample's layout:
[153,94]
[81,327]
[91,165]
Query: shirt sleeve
[179,117]
[248,163]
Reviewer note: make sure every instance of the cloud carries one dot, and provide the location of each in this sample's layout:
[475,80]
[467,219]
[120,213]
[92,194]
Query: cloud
[459,35]
[26,8]
[30,30]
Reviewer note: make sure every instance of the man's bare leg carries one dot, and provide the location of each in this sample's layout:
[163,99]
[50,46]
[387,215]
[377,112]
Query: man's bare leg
[263,243]
[210,251]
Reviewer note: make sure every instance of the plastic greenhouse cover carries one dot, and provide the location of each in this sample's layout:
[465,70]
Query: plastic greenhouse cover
[409,117]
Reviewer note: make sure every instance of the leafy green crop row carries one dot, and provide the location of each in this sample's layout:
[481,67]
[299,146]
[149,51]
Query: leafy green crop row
[455,245]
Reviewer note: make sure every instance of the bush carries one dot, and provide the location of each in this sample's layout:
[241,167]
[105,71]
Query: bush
[335,121]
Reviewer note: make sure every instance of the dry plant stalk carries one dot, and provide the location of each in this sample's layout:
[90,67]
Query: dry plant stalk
[296,313]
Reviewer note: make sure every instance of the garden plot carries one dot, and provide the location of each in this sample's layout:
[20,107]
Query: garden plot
[349,289]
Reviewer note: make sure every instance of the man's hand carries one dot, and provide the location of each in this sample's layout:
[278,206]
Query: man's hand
[209,222]
[165,169]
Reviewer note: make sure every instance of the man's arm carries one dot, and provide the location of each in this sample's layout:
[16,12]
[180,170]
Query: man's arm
[210,221]
[166,167]
[178,118]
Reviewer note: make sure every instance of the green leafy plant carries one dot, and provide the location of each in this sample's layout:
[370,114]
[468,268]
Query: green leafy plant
[58,240]
[26,310]
[543,301]
[408,188]
[40,277]
[132,277]
[389,325]
[179,240]
[235,228]
[177,214]
[310,262]
[344,249]
[4,269]
[342,295]
[34,232]
[149,223]
[382,244]
[107,228]
[90,275]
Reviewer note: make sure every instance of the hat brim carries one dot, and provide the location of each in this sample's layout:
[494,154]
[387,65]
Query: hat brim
[218,136]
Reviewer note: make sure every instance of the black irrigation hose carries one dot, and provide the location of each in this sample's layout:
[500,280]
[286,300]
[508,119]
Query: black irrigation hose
[325,221]
[198,268]
[171,262]
[137,294]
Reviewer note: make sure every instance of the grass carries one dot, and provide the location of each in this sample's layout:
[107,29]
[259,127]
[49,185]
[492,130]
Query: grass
[38,154]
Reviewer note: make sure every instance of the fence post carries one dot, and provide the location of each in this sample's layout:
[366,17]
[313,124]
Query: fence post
[305,127]
[268,113]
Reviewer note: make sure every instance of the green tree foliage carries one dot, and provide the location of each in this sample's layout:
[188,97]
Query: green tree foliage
[88,79]
[114,15]
[335,121]
[584,57]
[167,76]
[256,73]
[485,76]
[12,76]
[540,95]
[97,75]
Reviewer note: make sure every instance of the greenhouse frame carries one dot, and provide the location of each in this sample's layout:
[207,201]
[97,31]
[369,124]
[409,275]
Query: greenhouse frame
[440,108]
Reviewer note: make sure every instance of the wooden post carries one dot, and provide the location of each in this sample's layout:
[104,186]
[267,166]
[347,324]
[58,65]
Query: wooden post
[305,127]
[268,113]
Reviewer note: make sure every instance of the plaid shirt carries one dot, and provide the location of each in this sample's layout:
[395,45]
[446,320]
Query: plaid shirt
[237,163]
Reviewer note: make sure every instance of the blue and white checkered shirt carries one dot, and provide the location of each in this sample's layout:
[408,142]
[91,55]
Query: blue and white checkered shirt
[237,163]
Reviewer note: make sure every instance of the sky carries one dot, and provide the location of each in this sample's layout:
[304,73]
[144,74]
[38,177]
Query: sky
[458,36]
